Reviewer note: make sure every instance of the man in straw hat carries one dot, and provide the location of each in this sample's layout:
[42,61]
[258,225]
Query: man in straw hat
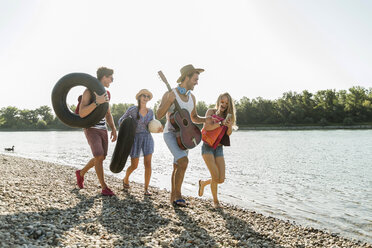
[182,93]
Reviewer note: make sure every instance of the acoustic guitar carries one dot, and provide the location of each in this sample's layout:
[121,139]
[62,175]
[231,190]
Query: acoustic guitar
[188,134]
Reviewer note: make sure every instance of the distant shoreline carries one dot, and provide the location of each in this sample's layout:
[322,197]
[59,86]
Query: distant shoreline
[268,128]
[331,127]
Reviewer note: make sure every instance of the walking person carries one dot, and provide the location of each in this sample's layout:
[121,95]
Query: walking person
[215,135]
[97,135]
[182,94]
[143,142]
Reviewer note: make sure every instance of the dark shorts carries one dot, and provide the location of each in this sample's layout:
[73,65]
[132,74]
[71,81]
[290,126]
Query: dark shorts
[97,140]
[206,149]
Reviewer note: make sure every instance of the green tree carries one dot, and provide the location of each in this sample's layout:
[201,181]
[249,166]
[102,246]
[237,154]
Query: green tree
[117,111]
[10,117]
[243,107]
[27,118]
[354,103]
[45,113]
[201,108]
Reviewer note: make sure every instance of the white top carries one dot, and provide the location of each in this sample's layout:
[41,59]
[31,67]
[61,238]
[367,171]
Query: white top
[189,106]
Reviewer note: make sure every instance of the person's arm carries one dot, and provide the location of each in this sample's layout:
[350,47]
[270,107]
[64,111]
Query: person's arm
[110,122]
[125,115]
[210,123]
[166,102]
[194,115]
[228,124]
[161,129]
[86,107]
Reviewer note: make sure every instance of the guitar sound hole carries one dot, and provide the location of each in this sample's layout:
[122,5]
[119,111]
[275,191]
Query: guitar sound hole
[185,122]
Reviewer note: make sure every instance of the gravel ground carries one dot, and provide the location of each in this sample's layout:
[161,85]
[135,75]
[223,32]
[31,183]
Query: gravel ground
[41,205]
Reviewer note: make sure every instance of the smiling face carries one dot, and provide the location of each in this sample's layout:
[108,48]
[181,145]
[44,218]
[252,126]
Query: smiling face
[107,80]
[144,98]
[223,104]
[191,82]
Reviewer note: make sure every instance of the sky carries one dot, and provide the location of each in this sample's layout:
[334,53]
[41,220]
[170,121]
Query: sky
[251,48]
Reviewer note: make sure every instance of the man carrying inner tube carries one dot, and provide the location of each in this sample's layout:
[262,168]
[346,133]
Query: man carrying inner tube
[97,135]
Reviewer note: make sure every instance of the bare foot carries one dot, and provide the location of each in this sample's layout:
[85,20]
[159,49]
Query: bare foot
[217,205]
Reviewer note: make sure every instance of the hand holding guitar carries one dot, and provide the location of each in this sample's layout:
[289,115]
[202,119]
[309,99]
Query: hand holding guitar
[188,134]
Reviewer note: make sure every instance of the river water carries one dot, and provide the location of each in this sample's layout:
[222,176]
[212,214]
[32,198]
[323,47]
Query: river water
[320,178]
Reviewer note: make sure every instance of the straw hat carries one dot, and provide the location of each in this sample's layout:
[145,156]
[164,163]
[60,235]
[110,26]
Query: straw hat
[186,70]
[144,92]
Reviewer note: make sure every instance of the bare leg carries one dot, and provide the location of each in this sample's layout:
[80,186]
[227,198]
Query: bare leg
[179,175]
[202,186]
[172,196]
[210,161]
[98,165]
[131,168]
[147,162]
[87,167]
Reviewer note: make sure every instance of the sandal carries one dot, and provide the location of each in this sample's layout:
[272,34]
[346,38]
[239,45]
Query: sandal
[79,179]
[126,185]
[147,193]
[179,203]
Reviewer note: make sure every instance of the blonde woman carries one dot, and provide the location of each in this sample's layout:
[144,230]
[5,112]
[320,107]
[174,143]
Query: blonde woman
[216,131]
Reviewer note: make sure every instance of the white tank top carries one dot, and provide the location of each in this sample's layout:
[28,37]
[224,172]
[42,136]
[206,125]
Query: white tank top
[189,106]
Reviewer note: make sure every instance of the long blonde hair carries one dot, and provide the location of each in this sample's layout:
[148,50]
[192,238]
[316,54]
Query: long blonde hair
[230,108]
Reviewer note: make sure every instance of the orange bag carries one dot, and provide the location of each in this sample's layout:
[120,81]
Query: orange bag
[213,137]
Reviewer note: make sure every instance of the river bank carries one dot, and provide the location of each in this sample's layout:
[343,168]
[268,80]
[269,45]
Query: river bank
[330,127]
[41,205]
[273,127]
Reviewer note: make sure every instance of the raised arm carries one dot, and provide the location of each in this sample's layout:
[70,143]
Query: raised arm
[210,123]
[166,101]
[194,115]
[87,107]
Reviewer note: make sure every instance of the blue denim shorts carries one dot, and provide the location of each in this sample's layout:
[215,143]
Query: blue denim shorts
[170,139]
[206,149]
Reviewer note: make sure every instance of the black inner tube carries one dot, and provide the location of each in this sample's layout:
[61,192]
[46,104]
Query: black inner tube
[124,143]
[63,112]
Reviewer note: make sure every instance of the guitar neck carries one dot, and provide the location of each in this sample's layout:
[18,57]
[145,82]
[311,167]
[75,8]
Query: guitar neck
[164,79]
[176,104]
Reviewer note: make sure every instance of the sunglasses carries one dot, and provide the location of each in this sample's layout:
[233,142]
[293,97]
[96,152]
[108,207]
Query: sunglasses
[146,96]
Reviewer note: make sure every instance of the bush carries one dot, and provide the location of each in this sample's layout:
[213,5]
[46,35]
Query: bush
[323,121]
[348,121]
[41,124]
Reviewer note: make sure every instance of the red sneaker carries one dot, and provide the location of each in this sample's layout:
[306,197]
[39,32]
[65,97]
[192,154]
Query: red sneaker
[79,179]
[107,192]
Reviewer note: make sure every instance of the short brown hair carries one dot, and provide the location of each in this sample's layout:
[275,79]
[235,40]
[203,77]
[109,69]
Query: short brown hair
[104,71]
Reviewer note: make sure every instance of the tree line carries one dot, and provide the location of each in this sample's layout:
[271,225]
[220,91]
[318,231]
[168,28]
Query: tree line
[322,108]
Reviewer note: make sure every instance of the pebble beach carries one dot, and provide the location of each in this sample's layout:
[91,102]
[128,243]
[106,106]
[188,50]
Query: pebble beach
[41,205]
